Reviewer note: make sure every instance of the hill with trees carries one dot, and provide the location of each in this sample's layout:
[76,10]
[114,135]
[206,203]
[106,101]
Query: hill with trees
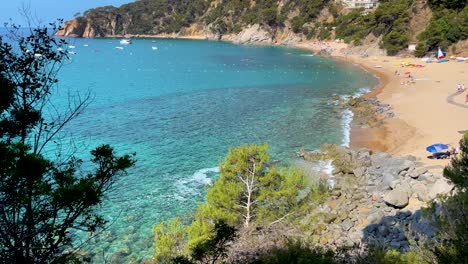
[392,25]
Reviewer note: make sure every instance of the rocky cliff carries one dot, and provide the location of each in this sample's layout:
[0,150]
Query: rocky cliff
[281,22]
[377,201]
[264,22]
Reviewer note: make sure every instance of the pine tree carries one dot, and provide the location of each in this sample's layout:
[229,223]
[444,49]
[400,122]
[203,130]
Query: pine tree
[452,217]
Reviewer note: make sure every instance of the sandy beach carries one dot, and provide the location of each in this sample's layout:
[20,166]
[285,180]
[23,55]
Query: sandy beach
[428,109]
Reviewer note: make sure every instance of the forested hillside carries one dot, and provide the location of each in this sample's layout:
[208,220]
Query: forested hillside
[393,24]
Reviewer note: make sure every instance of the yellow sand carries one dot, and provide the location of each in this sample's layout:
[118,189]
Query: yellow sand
[428,111]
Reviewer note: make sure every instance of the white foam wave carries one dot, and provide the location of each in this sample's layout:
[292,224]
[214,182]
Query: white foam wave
[201,176]
[346,125]
[191,186]
[347,115]
[361,91]
[326,167]
[323,170]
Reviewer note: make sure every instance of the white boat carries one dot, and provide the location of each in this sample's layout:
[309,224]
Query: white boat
[71,52]
[119,48]
[71,47]
[154,47]
[440,54]
[59,49]
[37,55]
[125,41]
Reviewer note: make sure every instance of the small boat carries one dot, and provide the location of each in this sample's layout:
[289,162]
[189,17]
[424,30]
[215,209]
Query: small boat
[71,47]
[125,41]
[154,48]
[119,48]
[71,52]
[37,55]
[59,49]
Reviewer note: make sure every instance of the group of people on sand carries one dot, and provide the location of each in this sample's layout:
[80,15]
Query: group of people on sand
[451,152]
[461,89]
[408,76]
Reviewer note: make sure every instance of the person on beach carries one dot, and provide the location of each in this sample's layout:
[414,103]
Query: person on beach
[459,88]
[466,98]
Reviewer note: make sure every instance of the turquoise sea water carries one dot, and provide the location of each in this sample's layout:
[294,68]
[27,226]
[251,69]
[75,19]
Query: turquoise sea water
[182,106]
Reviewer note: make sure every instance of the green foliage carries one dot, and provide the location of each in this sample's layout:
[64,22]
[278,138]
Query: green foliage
[446,27]
[295,252]
[420,50]
[249,192]
[209,251]
[457,171]
[449,216]
[324,34]
[395,257]
[169,240]
[297,23]
[43,201]
[448,4]
[395,41]
[452,224]
[390,19]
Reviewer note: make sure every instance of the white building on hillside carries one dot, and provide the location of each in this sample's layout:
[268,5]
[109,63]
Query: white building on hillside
[359,3]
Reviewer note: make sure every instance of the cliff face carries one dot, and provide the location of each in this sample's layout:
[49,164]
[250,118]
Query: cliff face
[243,22]
[77,27]
[101,23]
[266,22]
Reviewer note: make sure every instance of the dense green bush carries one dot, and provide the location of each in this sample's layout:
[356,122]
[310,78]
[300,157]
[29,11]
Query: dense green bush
[446,27]
[390,19]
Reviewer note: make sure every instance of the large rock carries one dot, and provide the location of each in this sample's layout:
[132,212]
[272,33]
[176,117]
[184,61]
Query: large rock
[417,172]
[378,159]
[421,191]
[74,28]
[441,186]
[375,217]
[362,157]
[254,34]
[398,197]
[359,171]
[389,180]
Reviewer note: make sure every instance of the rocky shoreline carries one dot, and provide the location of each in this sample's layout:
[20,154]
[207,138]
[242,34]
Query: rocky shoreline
[377,201]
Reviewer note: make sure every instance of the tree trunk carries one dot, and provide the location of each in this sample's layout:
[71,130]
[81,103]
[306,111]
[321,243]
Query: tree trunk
[250,186]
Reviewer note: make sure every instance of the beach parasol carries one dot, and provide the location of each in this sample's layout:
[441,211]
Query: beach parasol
[435,148]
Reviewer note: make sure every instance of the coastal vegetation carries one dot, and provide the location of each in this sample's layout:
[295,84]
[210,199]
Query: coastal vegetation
[221,230]
[251,194]
[45,199]
[448,25]
[316,19]
[390,20]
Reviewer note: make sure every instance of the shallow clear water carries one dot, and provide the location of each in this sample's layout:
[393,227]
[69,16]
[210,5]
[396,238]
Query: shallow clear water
[182,106]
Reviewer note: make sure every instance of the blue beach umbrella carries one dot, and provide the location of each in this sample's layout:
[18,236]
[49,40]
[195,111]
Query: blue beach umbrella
[437,148]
